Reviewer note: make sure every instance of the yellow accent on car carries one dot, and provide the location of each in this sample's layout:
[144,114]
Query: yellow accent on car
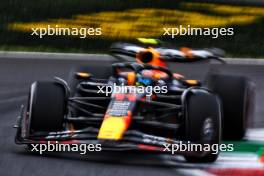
[192,82]
[131,77]
[148,41]
[83,74]
[112,128]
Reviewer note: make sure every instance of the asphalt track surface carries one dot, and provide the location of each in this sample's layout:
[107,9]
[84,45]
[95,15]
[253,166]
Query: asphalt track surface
[16,75]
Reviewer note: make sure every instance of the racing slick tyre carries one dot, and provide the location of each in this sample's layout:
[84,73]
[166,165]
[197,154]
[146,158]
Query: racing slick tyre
[237,94]
[97,71]
[47,106]
[202,123]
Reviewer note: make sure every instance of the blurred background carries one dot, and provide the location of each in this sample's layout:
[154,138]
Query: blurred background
[126,20]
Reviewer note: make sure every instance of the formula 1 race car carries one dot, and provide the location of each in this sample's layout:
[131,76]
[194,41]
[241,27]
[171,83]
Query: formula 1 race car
[138,105]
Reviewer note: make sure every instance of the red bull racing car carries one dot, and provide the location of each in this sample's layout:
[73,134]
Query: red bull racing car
[139,105]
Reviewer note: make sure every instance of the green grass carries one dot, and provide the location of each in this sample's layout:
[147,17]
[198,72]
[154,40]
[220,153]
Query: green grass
[247,42]
[247,146]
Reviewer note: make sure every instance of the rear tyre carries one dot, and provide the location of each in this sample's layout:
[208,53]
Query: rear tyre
[203,122]
[237,94]
[47,106]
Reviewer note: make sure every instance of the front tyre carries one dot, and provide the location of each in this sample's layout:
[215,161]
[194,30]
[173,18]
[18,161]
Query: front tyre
[202,122]
[47,106]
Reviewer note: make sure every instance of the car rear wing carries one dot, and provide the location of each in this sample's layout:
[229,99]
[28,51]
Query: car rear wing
[168,54]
